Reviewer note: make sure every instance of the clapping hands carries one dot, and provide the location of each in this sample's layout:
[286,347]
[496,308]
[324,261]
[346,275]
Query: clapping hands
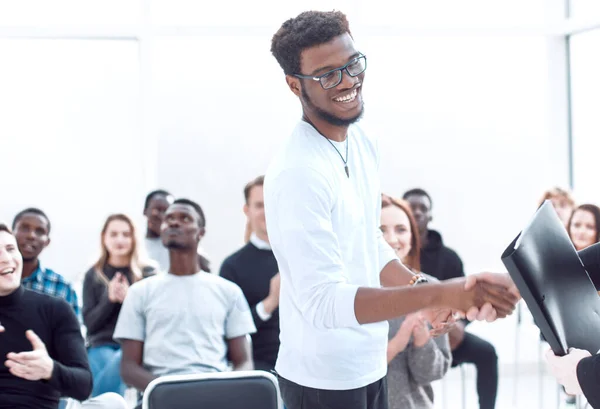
[117,288]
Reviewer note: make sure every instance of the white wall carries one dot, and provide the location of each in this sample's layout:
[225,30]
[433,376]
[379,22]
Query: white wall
[585,88]
[465,118]
[70,139]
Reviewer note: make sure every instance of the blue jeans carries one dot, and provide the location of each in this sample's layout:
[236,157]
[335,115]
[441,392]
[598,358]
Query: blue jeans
[105,363]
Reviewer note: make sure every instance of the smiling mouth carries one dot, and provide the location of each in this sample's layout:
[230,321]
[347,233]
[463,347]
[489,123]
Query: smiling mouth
[7,271]
[347,98]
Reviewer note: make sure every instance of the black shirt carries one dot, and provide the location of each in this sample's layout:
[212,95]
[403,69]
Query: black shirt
[99,313]
[54,321]
[252,269]
[440,261]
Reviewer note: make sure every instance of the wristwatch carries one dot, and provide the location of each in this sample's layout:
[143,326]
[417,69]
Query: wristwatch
[418,279]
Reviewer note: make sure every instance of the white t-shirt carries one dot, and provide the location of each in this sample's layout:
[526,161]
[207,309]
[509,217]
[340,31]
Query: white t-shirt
[184,321]
[324,230]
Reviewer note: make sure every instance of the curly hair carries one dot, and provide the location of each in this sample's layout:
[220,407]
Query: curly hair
[308,29]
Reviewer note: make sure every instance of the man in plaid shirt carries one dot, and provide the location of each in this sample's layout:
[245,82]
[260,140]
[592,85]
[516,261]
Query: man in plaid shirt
[32,231]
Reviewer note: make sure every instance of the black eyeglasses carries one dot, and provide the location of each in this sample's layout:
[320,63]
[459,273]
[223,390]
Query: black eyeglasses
[332,79]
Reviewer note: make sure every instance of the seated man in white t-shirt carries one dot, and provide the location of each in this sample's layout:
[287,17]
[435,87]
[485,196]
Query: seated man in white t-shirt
[186,321]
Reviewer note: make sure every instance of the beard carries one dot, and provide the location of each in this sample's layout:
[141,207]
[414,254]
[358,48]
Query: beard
[328,117]
[173,245]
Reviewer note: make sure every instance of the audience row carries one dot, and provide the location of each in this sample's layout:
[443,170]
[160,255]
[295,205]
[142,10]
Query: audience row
[152,309]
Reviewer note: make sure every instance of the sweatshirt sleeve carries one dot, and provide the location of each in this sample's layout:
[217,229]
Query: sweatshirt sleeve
[299,203]
[71,375]
[97,308]
[430,362]
[588,375]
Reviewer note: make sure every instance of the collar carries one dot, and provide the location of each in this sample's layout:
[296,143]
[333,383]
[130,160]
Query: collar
[37,275]
[12,298]
[258,243]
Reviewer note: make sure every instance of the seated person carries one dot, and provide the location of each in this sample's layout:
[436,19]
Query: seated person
[415,359]
[443,263]
[186,321]
[42,344]
[104,288]
[32,231]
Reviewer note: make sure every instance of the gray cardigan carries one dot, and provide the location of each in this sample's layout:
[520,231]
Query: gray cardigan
[411,372]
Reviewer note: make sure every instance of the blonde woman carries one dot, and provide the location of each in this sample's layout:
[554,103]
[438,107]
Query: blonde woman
[104,288]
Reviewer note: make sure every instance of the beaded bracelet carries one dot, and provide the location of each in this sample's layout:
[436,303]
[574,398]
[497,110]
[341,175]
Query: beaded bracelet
[417,279]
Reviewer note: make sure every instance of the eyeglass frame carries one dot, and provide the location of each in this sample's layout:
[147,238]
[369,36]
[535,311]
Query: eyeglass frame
[340,69]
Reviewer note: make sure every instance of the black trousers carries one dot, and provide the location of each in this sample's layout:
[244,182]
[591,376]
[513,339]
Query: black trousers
[475,350]
[373,396]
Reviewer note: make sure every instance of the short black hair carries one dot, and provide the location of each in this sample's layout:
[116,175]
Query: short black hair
[150,196]
[308,29]
[197,208]
[30,210]
[417,192]
[258,181]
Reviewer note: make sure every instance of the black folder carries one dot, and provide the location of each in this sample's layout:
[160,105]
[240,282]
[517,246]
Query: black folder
[551,278]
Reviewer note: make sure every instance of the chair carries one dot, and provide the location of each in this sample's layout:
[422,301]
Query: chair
[222,390]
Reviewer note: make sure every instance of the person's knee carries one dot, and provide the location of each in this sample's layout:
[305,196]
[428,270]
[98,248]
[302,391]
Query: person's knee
[109,400]
[485,352]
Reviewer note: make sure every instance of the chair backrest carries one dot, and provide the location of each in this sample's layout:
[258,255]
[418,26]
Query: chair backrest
[222,390]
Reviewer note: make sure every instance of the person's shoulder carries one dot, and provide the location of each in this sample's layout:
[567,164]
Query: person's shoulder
[147,284]
[46,301]
[234,258]
[364,137]
[229,287]
[51,275]
[299,156]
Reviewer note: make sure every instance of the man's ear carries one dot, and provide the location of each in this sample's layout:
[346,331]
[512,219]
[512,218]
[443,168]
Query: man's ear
[47,242]
[246,210]
[294,84]
[201,233]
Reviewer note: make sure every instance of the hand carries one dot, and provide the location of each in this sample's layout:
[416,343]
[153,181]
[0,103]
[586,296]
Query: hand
[420,333]
[488,312]
[1,328]
[272,301]
[481,298]
[442,320]
[456,335]
[564,368]
[112,289]
[32,365]
[402,336]
[121,288]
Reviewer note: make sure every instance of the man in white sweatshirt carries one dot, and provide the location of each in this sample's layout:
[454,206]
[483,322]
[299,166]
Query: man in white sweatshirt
[322,204]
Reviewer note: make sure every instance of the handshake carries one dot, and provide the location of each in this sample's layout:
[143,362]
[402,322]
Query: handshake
[483,297]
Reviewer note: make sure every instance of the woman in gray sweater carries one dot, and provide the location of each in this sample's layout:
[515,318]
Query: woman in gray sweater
[415,359]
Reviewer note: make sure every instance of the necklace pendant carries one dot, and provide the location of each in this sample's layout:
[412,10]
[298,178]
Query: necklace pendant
[347,171]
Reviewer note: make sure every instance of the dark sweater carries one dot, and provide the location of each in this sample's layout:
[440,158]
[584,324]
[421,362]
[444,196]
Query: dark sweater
[252,269]
[54,321]
[588,369]
[99,313]
[438,260]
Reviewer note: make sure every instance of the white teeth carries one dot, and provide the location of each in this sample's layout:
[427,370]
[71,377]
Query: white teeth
[347,98]
[7,271]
